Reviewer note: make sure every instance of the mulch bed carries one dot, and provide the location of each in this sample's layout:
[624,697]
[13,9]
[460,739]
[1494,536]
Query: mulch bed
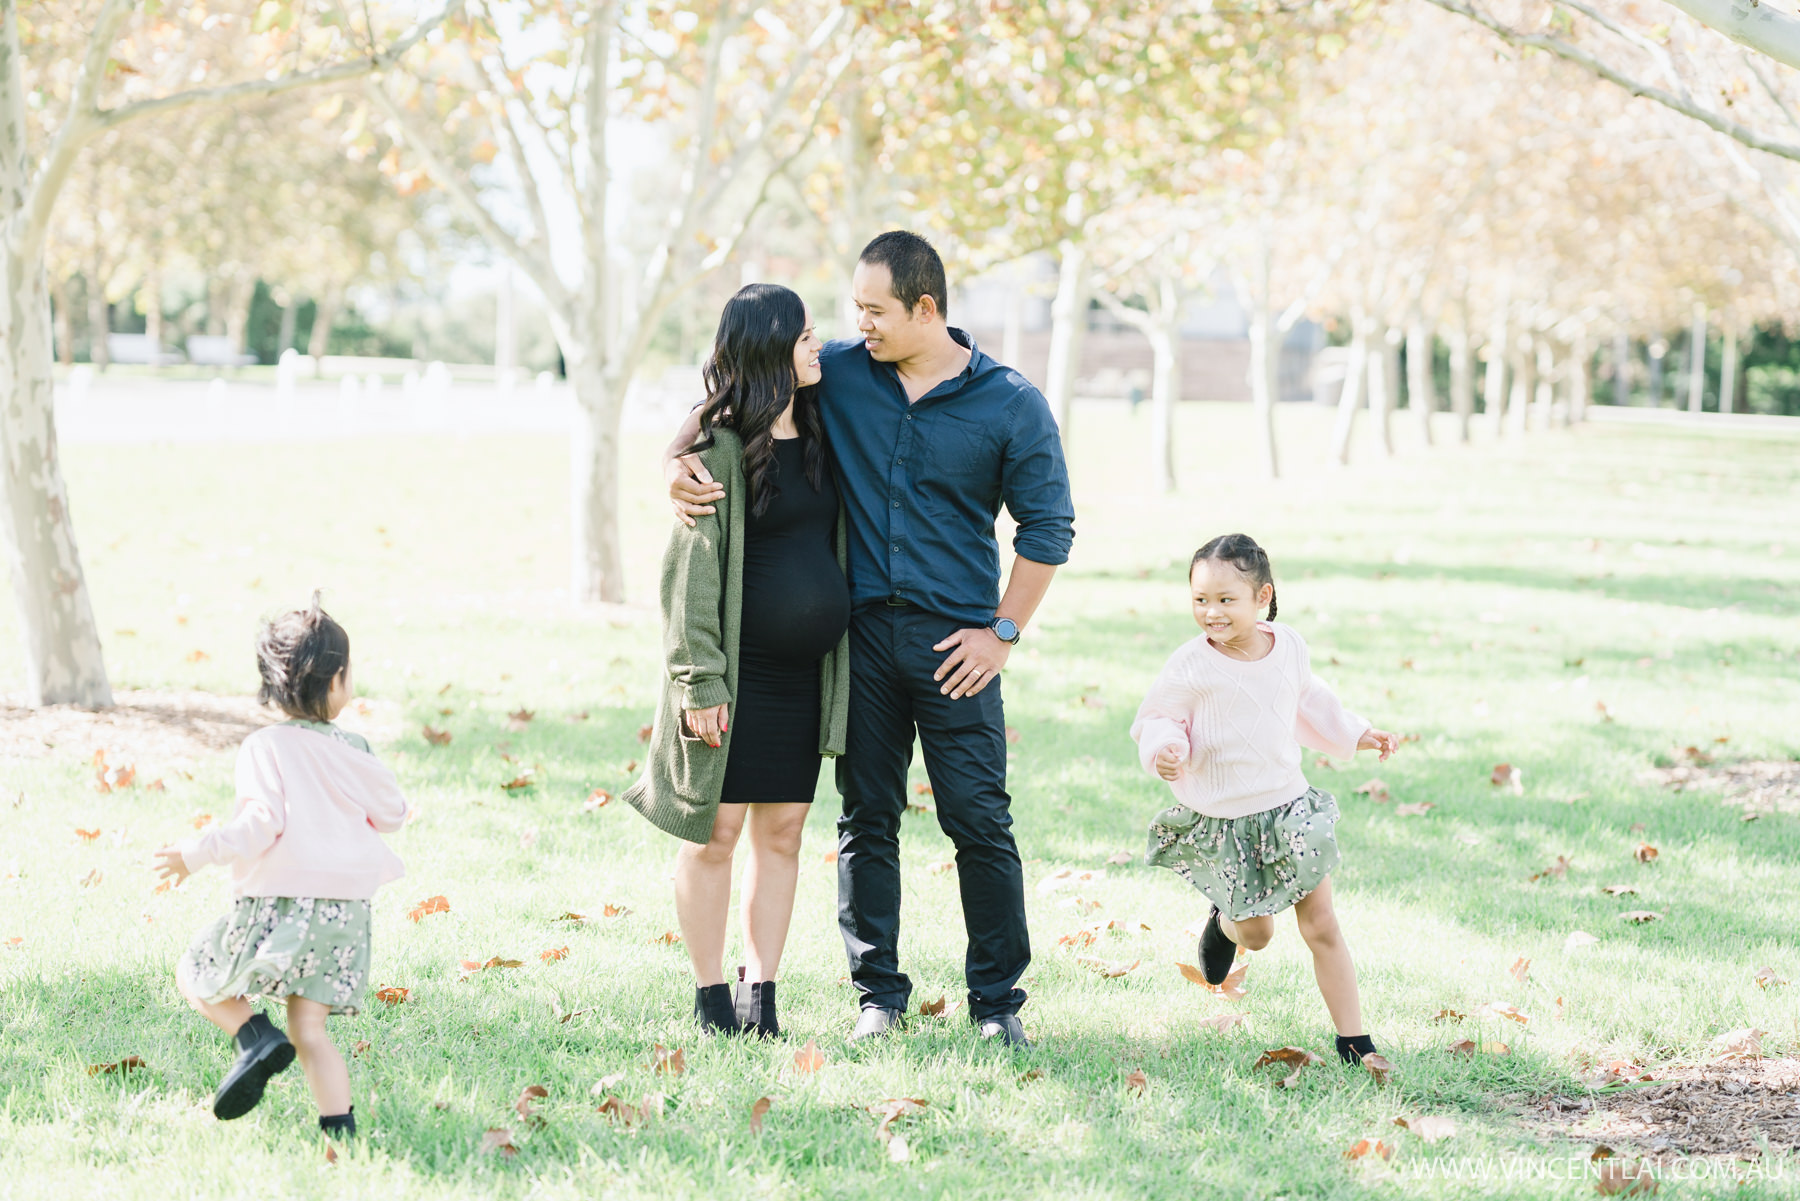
[1757,786]
[1718,1109]
[161,727]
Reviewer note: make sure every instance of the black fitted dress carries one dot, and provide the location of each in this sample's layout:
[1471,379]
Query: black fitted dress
[796,608]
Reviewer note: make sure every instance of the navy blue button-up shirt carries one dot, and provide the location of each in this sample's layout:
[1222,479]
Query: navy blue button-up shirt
[923,482]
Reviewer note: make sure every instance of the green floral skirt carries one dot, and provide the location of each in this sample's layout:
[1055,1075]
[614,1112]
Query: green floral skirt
[276,947]
[1253,866]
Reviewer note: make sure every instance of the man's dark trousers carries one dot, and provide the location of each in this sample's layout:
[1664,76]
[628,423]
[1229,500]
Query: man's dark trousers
[891,692]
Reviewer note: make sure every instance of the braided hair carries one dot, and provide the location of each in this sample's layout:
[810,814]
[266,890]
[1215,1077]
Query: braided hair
[298,655]
[1242,553]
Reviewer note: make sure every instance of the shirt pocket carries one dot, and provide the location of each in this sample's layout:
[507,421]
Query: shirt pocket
[962,448]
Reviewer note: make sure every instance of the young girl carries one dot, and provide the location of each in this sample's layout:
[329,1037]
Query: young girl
[1224,724]
[306,855]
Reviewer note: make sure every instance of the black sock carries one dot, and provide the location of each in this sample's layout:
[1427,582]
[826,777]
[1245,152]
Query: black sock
[254,1031]
[341,1125]
[1353,1048]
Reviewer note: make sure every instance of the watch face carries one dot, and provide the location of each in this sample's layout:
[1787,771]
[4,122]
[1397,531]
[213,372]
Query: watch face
[1006,630]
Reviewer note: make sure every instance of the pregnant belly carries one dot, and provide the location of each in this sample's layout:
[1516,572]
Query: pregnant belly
[794,615]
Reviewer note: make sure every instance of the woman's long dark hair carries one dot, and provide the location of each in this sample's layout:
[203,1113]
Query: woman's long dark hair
[749,379]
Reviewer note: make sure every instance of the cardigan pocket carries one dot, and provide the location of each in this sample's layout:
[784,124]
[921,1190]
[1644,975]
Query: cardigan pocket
[694,774]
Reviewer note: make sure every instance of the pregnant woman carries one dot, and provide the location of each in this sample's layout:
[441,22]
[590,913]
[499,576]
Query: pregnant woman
[757,689]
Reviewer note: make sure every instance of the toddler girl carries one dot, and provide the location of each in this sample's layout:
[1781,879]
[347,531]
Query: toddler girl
[1224,724]
[305,856]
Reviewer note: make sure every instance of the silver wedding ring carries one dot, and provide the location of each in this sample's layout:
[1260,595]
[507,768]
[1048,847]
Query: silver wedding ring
[976,673]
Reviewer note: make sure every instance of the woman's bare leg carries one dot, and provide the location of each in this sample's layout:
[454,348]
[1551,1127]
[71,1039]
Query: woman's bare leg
[324,1067]
[1332,966]
[771,873]
[703,895]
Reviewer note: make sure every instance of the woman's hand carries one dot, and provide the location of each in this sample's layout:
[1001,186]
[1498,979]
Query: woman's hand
[708,724]
[1169,761]
[1379,740]
[170,865]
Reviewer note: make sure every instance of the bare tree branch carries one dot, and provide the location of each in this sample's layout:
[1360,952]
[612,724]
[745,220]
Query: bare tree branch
[1637,87]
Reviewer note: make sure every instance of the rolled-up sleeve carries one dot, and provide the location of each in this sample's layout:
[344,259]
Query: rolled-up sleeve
[1034,483]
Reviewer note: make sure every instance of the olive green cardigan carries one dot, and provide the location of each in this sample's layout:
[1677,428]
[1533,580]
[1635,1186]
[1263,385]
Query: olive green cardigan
[702,604]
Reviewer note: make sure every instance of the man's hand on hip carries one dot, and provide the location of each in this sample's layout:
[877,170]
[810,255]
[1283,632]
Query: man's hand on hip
[976,657]
[692,490]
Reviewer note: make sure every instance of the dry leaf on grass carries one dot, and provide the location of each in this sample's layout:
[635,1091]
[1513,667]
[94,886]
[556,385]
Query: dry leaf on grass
[1645,852]
[1222,1022]
[86,835]
[1619,890]
[1556,870]
[667,938]
[1766,978]
[520,782]
[436,737]
[1578,939]
[1639,917]
[393,996]
[644,733]
[891,1111]
[1501,1009]
[93,879]
[606,1084]
[498,1141]
[1616,1178]
[523,1106]
[809,1059]
[1062,877]
[669,1062]
[519,719]
[555,953]
[471,967]
[758,1112]
[1520,970]
[361,1048]
[1234,988]
[942,866]
[1448,1015]
[1299,1058]
[596,801]
[932,1009]
[1744,1044]
[1121,858]
[1430,1128]
[1414,809]
[1363,1146]
[829,856]
[130,1063]
[1464,1047]
[1137,1082]
[1081,939]
[1110,969]
[1511,778]
[1378,1066]
[428,906]
[1375,790]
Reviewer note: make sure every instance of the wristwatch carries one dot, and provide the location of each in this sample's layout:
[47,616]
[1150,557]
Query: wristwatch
[1006,630]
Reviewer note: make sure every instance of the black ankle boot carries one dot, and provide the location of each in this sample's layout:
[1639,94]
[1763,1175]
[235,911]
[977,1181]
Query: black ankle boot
[756,1008]
[712,1005]
[342,1125]
[1353,1048]
[262,1051]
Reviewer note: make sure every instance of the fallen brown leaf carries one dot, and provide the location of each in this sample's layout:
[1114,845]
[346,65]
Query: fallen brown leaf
[614,910]
[939,868]
[829,856]
[1110,969]
[471,967]
[436,737]
[498,1141]
[758,1112]
[393,996]
[667,938]
[932,1009]
[1616,1178]
[1743,1044]
[130,1063]
[1375,790]
[1378,1066]
[1766,978]
[1363,1146]
[520,782]
[519,719]
[1556,870]
[606,1084]
[1644,853]
[1192,974]
[669,1062]
[1639,917]
[1430,1127]
[361,1048]
[523,1106]
[1137,1082]
[1619,890]
[552,955]
[1520,970]
[1222,1022]
[428,906]
[1120,858]
[1414,808]
[1501,1009]
[1506,776]
[644,733]
[1012,734]
[1448,1015]
[809,1059]
[1463,1047]
[1234,988]
[597,800]
[86,835]
[1577,940]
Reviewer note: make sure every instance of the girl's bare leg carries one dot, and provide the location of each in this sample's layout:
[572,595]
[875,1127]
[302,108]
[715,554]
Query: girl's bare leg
[324,1067]
[1252,933]
[703,895]
[1332,967]
[228,1015]
[771,874]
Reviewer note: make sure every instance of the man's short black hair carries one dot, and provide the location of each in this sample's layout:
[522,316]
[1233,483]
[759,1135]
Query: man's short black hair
[916,268]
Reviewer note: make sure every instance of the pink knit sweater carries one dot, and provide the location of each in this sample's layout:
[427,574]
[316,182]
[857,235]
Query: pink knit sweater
[307,819]
[1240,726]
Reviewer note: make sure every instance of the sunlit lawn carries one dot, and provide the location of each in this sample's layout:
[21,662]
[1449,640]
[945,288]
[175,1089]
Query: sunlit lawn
[1488,600]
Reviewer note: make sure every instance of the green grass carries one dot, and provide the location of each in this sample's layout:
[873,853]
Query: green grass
[1481,598]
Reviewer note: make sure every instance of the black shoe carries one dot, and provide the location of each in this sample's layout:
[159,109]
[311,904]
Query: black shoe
[876,1021]
[712,1005]
[1353,1048]
[1216,951]
[262,1051]
[339,1126]
[756,1008]
[1004,1028]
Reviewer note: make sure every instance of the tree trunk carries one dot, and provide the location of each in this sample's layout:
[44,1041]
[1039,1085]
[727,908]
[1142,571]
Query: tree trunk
[64,320]
[1518,402]
[151,296]
[599,572]
[1384,373]
[238,298]
[99,319]
[1697,360]
[325,309]
[1356,368]
[1068,324]
[218,303]
[1621,366]
[1462,374]
[1165,394]
[1580,382]
[63,661]
[1728,367]
[1493,388]
[1546,384]
[1265,367]
[1421,390]
[1014,330]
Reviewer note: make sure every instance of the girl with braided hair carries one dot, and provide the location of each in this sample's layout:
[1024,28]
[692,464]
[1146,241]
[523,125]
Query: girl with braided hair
[305,851]
[1223,725]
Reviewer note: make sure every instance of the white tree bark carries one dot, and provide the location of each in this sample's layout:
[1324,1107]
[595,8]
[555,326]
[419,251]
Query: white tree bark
[1161,327]
[1068,327]
[1265,377]
[1524,382]
[598,572]
[1697,360]
[1462,374]
[1728,367]
[1580,380]
[1421,389]
[1493,389]
[1384,385]
[1758,26]
[325,311]
[1621,366]
[1546,384]
[1356,370]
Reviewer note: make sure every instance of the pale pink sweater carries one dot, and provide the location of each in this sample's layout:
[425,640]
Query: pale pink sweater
[1240,726]
[306,824]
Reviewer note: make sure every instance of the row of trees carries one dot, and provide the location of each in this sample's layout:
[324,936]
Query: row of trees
[1380,164]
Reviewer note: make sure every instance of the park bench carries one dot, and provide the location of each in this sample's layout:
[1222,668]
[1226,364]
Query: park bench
[212,350]
[139,350]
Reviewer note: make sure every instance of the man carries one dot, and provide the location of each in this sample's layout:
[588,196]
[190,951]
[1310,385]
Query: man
[929,436]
